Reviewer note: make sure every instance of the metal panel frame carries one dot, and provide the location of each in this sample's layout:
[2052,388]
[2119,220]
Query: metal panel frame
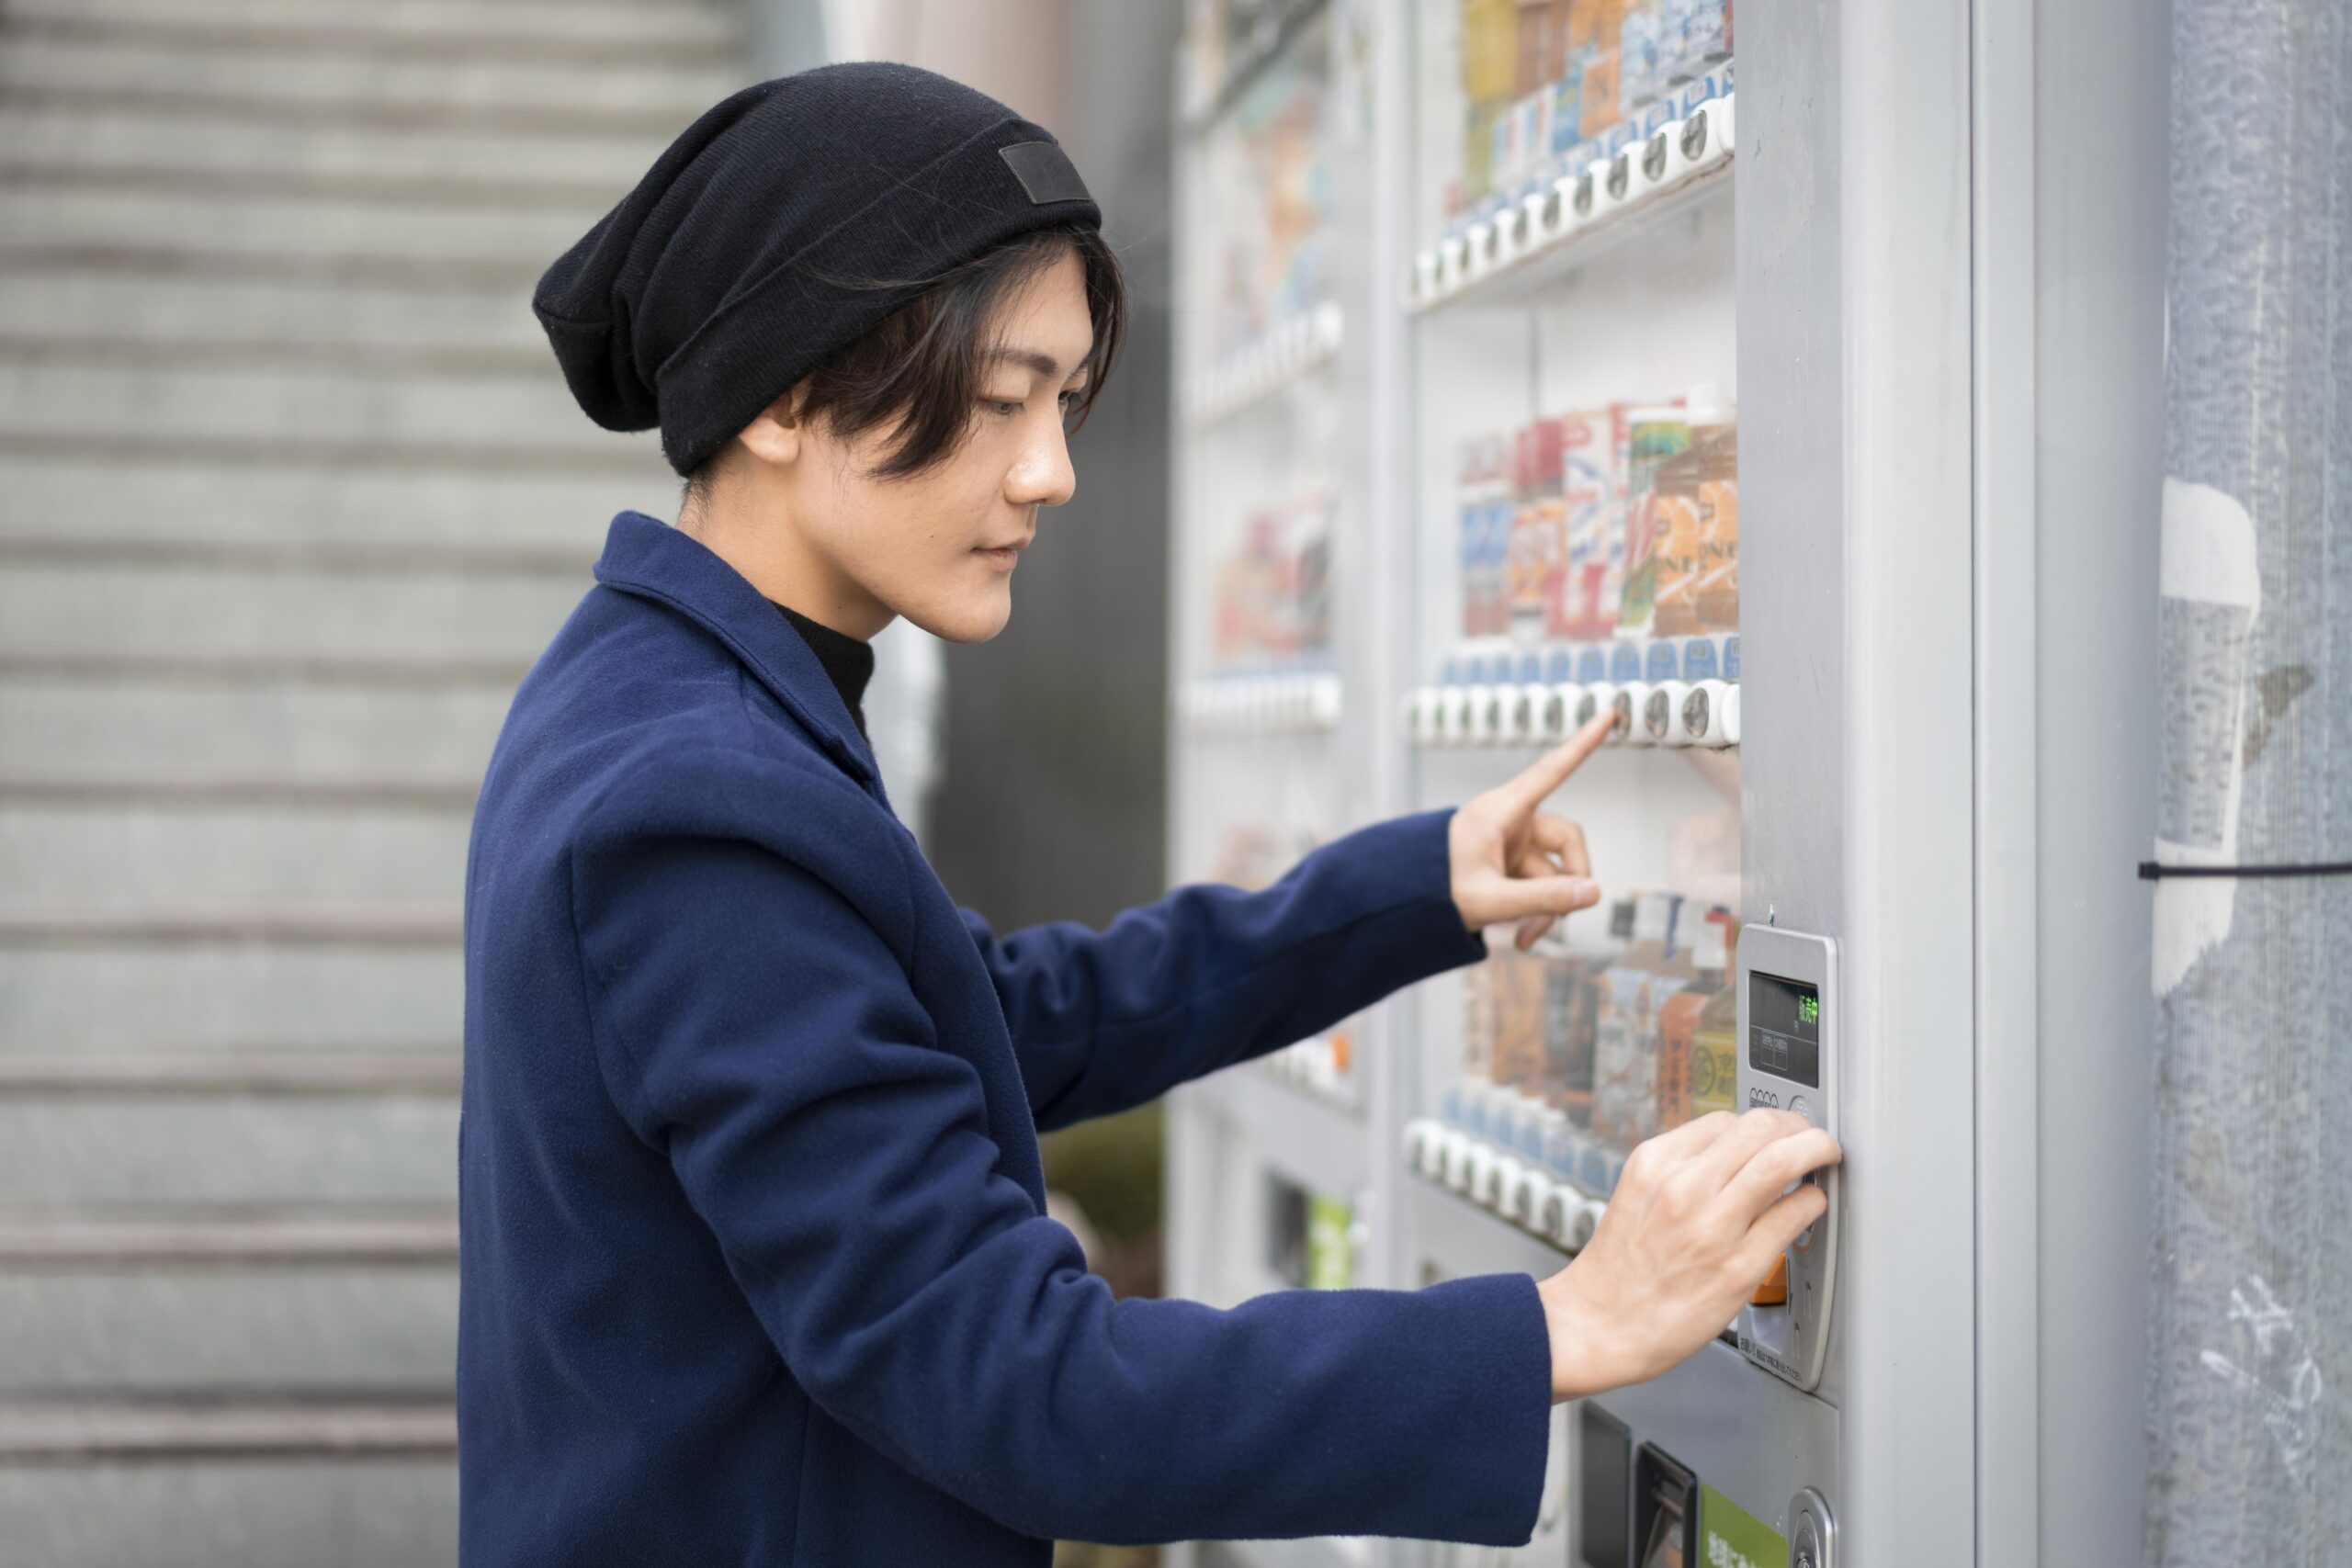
[1857,771]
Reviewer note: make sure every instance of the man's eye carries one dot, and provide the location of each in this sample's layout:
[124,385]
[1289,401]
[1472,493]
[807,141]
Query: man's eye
[1003,409]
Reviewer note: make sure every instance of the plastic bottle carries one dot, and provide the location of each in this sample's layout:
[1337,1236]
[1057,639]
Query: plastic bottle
[1634,992]
[1678,1022]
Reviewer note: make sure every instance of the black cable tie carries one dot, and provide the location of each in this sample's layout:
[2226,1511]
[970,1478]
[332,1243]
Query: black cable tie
[2150,871]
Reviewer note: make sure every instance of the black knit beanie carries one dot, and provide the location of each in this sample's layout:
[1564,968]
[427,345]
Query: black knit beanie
[747,254]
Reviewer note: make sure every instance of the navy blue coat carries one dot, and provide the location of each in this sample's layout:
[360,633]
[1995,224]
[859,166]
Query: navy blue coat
[755,1266]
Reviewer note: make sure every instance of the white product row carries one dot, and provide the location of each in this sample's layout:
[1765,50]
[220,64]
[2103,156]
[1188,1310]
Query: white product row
[1491,1176]
[1322,1065]
[1278,357]
[1651,712]
[1261,704]
[1608,190]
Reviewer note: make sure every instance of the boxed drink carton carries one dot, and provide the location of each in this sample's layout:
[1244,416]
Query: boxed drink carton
[1538,550]
[1655,437]
[1696,513]
[1593,25]
[1489,49]
[1679,1023]
[1571,1011]
[1640,39]
[1516,983]
[1592,497]
[1634,993]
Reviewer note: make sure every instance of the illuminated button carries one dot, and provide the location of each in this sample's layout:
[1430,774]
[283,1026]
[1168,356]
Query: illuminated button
[1774,1290]
[1499,1183]
[1662,714]
[1559,711]
[1632,701]
[1494,726]
[1555,1214]
[1525,1206]
[1477,710]
[1478,1168]
[1454,1168]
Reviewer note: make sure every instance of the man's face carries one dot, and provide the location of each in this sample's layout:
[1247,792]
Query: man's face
[940,546]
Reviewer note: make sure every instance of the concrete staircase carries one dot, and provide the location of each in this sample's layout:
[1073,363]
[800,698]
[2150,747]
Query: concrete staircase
[290,494]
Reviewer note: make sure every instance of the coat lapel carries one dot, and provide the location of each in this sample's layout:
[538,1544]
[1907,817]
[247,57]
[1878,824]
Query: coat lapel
[646,559]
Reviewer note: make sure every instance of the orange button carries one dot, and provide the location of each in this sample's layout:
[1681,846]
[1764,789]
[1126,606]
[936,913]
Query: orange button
[1774,1290]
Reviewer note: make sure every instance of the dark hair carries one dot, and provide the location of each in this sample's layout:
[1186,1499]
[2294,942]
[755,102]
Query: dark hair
[921,371]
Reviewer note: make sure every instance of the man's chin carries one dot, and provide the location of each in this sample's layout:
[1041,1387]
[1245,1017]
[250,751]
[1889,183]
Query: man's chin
[974,620]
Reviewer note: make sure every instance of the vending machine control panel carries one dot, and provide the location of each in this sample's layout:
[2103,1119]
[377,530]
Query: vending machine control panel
[1787,1059]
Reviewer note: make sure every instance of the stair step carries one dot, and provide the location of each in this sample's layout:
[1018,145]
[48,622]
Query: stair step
[120,612]
[116,1074]
[237,735]
[504,246]
[311,557]
[221,1425]
[546,508]
[433,419]
[629,459]
[222,1311]
[85,137]
[241,670]
[62,302]
[318,925]
[301,115]
[232,995]
[309,80]
[424,274]
[359,1511]
[416,30]
[139,854]
[371,359]
[584,195]
[79,1241]
[274,1149]
[182,793]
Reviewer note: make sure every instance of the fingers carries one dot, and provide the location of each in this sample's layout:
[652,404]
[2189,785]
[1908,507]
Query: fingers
[1563,841]
[1770,1169]
[1526,898]
[1550,771]
[1777,1229]
[1749,1134]
[1698,1134]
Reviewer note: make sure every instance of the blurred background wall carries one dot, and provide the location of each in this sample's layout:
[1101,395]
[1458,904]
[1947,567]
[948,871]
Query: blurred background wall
[292,496]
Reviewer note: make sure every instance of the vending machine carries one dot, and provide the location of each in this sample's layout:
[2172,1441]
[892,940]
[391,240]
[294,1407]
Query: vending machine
[1701,376]
[1274,732]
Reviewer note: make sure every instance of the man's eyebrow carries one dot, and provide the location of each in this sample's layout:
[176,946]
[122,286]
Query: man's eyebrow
[1044,364]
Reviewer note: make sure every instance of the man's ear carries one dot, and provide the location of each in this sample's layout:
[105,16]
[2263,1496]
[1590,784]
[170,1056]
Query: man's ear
[778,435]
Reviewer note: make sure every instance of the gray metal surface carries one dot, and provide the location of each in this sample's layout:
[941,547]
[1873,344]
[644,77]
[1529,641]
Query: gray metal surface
[2093,401]
[1856,768]
[2251,1260]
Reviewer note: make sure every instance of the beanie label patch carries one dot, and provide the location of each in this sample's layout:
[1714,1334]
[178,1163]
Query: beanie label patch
[1045,172]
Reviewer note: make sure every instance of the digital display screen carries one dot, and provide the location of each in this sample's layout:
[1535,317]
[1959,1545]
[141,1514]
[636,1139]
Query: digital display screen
[1784,1028]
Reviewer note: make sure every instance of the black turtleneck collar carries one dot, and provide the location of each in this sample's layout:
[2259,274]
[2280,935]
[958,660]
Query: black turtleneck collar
[848,663]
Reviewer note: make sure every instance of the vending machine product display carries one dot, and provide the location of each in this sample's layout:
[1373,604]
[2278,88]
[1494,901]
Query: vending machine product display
[1269,734]
[1669,342]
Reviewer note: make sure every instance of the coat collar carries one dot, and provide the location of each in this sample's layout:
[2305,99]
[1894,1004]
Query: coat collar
[648,558]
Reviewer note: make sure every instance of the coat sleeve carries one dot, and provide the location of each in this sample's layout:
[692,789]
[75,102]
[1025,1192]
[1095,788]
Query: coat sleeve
[757,1029]
[1211,975]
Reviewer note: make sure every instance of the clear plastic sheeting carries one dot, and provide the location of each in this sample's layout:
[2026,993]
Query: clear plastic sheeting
[2250,1310]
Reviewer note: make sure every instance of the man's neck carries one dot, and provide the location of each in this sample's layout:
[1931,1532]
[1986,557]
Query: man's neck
[776,558]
